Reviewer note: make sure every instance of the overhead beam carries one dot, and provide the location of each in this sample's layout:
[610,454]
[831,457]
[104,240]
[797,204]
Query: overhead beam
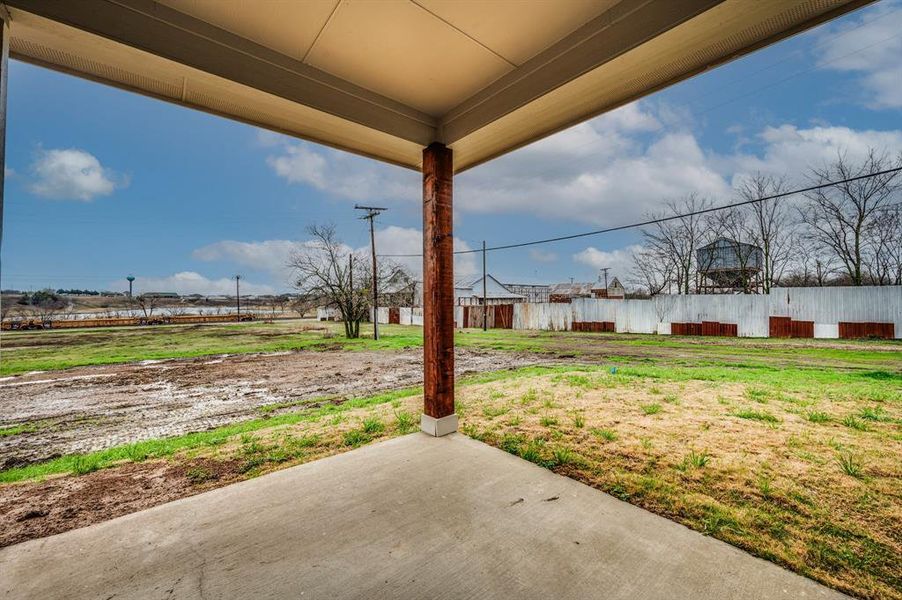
[154,28]
[625,26]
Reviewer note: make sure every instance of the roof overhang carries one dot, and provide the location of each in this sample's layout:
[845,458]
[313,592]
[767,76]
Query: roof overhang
[384,79]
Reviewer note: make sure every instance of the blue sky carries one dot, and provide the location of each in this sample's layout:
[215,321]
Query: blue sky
[102,183]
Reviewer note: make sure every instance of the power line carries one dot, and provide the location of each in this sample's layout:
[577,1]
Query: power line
[669,218]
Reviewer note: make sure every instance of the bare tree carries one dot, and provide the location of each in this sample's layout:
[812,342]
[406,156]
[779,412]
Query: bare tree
[676,241]
[651,271]
[842,219]
[6,308]
[44,305]
[811,267]
[327,270]
[769,226]
[147,303]
[176,311]
[884,252]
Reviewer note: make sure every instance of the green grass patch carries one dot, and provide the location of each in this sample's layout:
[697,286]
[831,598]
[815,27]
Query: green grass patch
[651,409]
[756,415]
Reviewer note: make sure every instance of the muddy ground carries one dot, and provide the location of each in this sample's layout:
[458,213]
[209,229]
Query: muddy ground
[91,408]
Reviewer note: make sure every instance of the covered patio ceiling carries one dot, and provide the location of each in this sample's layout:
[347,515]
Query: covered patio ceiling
[385,79]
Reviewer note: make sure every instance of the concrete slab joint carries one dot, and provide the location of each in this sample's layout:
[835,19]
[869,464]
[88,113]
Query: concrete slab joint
[438,427]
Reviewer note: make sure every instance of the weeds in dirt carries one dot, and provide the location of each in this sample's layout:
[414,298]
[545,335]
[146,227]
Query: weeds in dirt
[404,421]
[356,437]
[757,395]
[817,417]
[694,460]
[20,428]
[579,421]
[373,425]
[199,475]
[495,411]
[850,465]
[854,423]
[548,421]
[83,464]
[651,409]
[608,435]
[757,415]
[564,456]
[530,396]
[874,413]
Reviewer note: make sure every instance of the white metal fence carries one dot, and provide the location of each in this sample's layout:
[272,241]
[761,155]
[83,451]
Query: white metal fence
[826,307]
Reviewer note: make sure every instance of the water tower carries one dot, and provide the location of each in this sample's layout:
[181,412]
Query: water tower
[726,266]
[131,279]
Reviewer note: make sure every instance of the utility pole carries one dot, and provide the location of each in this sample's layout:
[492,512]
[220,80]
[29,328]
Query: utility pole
[238,294]
[485,306]
[605,271]
[371,213]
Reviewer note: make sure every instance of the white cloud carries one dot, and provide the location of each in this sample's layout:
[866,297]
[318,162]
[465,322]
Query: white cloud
[190,282]
[870,46]
[72,174]
[273,255]
[618,261]
[788,150]
[599,172]
[608,171]
[542,256]
[407,240]
[268,255]
[341,174]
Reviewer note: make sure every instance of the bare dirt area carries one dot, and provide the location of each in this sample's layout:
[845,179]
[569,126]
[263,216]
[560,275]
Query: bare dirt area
[91,408]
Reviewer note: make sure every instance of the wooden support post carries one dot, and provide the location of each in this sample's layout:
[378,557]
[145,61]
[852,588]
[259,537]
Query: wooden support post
[438,293]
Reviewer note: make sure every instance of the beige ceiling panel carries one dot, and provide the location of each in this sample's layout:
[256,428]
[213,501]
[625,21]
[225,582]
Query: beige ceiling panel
[398,49]
[728,30]
[415,59]
[517,34]
[286,26]
[37,40]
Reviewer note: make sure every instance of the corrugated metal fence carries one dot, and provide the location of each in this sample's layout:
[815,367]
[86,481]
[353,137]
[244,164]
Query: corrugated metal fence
[829,312]
[825,308]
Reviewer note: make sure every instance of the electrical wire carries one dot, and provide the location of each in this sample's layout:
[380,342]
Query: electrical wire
[665,219]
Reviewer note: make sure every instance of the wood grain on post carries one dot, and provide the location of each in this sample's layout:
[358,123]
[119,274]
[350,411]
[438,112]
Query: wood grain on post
[438,283]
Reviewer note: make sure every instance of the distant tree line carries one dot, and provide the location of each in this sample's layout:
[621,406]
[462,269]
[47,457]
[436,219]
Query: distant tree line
[847,234]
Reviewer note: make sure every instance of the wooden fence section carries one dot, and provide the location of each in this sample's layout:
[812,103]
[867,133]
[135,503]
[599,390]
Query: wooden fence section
[594,326]
[787,327]
[866,330]
[708,328]
[499,316]
[124,321]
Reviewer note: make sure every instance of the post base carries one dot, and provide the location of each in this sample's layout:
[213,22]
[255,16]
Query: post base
[438,427]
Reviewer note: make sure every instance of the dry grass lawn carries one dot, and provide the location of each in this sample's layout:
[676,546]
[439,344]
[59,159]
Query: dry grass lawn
[808,477]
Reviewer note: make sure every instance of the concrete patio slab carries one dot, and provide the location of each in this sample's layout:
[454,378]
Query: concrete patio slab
[412,517]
